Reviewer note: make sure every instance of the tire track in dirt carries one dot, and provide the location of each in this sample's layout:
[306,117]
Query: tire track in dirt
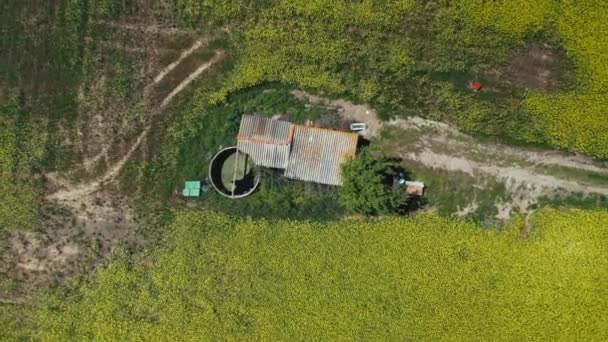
[535,157]
[142,27]
[90,162]
[98,218]
[519,176]
[75,193]
[199,43]
[96,213]
[190,78]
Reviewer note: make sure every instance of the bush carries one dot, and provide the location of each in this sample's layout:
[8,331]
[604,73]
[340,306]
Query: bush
[280,198]
[368,186]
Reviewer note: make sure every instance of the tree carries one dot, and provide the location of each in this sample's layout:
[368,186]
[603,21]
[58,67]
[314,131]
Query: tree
[368,185]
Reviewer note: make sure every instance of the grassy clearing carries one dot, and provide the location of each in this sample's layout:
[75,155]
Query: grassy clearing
[567,201]
[451,192]
[448,192]
[215,127]
[579,176]
[280,198]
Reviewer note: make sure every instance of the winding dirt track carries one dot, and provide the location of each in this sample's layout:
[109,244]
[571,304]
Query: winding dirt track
[172,66]
[75,193]
[515,175]
[495,153]
[97,214]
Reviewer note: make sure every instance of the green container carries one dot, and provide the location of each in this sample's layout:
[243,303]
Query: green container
[192,189]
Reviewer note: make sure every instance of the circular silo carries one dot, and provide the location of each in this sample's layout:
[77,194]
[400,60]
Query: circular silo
[233,173]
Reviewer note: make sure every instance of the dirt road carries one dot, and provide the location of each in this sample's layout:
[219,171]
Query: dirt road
[529,174]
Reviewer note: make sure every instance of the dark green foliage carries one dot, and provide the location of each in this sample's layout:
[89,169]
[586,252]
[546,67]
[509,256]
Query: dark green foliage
[273,99]
[281,198]
[215,127]
[368,185]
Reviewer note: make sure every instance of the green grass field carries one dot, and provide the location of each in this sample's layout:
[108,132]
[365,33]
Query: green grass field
[287,262]
[421,278]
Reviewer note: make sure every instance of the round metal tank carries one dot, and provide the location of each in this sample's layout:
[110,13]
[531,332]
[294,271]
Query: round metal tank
[233,174]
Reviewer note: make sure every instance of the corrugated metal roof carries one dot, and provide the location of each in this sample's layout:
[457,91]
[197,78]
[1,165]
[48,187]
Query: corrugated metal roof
[265,140]
[265,130]
[266,155]
[317,154]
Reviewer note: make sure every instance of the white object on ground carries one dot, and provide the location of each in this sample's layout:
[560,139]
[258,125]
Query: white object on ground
[358,126]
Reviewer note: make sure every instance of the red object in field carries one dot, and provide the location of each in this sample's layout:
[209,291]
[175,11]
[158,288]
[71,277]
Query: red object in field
[476,86]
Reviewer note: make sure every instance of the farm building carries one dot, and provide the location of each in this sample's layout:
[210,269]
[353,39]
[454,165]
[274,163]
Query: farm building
[267,141]
[306,153]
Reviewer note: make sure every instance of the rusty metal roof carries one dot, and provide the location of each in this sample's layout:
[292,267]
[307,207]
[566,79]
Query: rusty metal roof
[266,155]
[266,141]
[317,154]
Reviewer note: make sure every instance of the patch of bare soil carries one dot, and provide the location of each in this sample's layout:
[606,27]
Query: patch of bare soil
[71,241]
[468,209]
[349,111]
[155,29]
[538,67]
[438,145]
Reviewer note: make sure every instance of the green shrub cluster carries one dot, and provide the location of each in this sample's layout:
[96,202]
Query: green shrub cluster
[368,185]
[280,198]
[420,278]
